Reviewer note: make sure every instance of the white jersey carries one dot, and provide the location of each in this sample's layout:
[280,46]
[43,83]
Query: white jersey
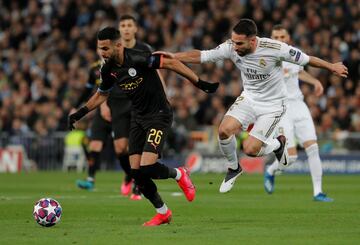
[261,71]
[291,77]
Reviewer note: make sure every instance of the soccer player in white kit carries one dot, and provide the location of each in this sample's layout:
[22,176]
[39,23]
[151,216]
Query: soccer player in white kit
[297,122]
[263,101]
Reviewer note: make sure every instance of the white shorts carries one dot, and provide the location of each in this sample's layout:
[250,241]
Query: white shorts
[264,115]
[297,123]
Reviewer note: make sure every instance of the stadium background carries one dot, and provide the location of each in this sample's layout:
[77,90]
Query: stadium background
[47,47]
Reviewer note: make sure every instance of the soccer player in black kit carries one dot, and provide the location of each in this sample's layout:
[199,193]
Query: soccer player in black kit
[110,118]
[135,73]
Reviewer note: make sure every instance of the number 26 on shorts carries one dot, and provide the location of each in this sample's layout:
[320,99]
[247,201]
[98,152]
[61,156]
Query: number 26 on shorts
[155,136]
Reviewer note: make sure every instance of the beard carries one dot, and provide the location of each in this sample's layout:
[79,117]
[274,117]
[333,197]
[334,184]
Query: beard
[244,52]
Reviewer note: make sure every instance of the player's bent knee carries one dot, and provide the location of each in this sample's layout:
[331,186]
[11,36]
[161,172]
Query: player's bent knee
[225,132]
[251,150]
[121,150]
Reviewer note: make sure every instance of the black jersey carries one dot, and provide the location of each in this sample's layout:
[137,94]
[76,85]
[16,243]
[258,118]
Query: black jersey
[94,78]
[138,79]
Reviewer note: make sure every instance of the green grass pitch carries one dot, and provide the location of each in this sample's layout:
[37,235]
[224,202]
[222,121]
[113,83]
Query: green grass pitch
[247,215]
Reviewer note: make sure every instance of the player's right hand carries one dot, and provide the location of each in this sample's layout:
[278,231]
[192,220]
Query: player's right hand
[74,117]
[71,122]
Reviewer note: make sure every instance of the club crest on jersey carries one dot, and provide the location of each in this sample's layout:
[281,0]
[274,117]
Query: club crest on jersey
[262,62]
[292,52]
[132,72]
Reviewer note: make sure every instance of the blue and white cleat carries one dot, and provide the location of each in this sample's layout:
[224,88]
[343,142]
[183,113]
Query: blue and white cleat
[85,184]
[269,182]
[321,197]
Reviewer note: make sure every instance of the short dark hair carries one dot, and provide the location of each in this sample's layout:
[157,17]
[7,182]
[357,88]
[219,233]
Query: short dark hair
[108,33]
[245,27]
[278,27]
[127,17]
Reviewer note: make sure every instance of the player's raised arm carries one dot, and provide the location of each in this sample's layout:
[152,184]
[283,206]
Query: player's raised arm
[180,68]
[337,68]
[296,56]
[223,51]
[192,56]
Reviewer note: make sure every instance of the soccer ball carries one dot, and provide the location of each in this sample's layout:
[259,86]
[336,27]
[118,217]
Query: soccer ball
[47,212]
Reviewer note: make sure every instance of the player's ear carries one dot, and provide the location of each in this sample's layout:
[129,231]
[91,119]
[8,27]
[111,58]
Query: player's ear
[252,39]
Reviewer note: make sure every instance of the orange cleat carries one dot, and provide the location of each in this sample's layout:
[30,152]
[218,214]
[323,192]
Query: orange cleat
[126,188]
[160,219]
[186,185]
[135,197]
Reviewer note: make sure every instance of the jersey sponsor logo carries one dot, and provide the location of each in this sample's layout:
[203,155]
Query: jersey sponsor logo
[252,74]
[292,52]
[262,62]
[132,72]
[132,84]
[297,57]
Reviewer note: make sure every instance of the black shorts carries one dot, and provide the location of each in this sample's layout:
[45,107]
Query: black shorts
[119,126]
[148,134]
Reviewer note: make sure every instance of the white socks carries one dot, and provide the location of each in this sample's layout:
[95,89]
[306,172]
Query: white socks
[315,167]
[178,174]
[162,210]
[90,179]
[273,167]
[272,145]
[228,149]
[312,153]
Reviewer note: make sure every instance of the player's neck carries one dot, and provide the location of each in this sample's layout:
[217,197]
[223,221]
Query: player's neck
[255,46]
[120,56]
[129,43]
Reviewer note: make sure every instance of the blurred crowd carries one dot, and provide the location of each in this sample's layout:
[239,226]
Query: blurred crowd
[47,47]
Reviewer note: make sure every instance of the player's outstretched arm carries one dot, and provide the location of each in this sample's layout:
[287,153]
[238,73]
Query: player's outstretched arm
[180,68]
[96,100]
[192,56]
[337,68]
[307,78]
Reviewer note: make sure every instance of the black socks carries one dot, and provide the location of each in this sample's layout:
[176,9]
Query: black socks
[94,163]
[125,165]
[158,171]
[147,188]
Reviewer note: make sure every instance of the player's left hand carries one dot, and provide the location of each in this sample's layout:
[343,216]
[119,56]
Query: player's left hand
[339,69]
[206,86]
[318,88]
